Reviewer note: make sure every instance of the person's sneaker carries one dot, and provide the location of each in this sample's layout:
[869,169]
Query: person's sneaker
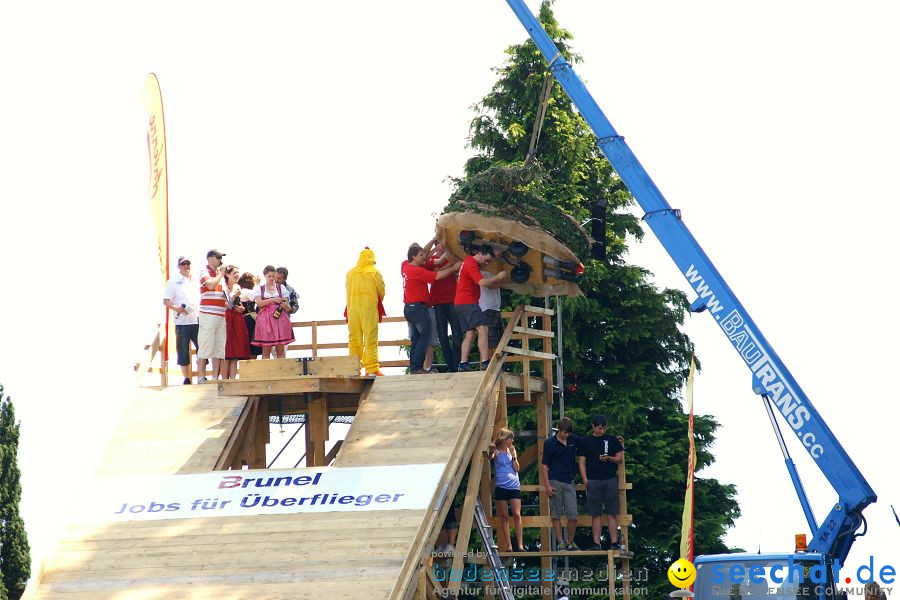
[439,549]
[377,373]
[562,547]
[464,367]
[594,547]
[449,549]
[202,380]
[418,372]
[617,547]
[484,365]
[187,381]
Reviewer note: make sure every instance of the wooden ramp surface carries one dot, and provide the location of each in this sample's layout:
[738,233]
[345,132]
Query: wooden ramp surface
[404,420]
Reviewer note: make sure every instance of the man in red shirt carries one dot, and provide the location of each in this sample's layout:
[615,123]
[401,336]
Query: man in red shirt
[415,302]
[443,292]
[468,291]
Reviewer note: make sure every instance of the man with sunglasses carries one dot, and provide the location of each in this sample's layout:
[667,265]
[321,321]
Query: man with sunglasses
[182,297]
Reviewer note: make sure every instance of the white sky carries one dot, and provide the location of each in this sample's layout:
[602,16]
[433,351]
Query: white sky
[300,132]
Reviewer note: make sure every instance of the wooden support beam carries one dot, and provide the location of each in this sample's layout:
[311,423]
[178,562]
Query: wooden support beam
[528,459]
[246,447]
[317,424]
[513,381]
[537,310]
[229,453]
[534,332]
[260,432]
[468,510]
[530,353]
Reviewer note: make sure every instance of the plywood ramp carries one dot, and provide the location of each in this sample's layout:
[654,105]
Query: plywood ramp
[364,555]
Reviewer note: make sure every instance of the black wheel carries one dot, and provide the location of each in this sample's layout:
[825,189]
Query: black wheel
[466,236]
[521,273]
[518,249]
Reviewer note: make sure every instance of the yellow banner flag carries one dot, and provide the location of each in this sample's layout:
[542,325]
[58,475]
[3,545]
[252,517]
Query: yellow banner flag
[158,191]
[687,517]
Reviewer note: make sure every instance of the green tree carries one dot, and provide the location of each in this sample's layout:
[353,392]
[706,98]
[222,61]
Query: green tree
[15,557]
[625,355]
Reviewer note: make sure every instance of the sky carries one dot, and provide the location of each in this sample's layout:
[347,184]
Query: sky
[297,133]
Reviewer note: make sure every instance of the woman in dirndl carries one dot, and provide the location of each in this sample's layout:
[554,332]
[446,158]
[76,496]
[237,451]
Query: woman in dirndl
[273,323]
[237,340]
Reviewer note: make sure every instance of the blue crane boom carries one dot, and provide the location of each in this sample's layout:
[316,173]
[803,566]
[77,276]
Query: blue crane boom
[770,377]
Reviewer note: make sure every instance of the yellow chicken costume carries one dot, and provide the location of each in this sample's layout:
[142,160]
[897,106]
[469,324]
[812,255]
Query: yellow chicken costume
[365,291]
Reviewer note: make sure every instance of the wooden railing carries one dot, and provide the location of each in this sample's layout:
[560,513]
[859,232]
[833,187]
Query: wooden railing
[332,330]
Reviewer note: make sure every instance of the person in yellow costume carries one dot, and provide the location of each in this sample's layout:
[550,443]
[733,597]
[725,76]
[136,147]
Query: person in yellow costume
[365,291]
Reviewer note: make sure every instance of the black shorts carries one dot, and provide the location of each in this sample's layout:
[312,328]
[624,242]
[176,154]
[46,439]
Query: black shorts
[495,327]
[506,494]
[184,335]
[603,493]
[470,316]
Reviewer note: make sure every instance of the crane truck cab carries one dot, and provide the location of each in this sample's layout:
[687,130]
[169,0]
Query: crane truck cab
[746,576]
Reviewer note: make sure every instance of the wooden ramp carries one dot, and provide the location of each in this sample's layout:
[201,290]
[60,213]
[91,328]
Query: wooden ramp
[373,554]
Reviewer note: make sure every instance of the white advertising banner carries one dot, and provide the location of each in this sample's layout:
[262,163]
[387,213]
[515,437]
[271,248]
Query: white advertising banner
[265,492]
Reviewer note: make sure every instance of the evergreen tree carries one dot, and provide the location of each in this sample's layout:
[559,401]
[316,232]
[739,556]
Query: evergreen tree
[15,557]
[624,353]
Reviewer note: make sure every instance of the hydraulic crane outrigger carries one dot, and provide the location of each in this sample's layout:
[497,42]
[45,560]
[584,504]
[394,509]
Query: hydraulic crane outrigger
[770,378]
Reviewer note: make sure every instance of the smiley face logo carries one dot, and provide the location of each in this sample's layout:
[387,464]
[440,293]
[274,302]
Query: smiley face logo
[682,573]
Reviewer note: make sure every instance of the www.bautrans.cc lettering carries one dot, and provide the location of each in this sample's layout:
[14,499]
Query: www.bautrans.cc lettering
[768,378]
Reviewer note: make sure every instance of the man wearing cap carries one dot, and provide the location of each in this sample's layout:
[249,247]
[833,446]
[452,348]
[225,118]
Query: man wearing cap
[212,314]
[182,298]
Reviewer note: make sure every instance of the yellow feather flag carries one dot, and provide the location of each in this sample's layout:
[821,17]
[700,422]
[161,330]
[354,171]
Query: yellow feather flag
[687,517]
[158,189]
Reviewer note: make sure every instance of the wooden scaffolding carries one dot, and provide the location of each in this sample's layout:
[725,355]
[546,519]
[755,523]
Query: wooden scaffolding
[447,419]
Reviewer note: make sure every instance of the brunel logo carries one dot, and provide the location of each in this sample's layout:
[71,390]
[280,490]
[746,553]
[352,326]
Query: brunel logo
[768,379]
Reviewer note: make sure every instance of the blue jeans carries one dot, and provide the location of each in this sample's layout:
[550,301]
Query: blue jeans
[420,320]
[445,314]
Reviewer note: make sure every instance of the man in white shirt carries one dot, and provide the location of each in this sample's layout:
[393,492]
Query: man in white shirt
[182,297]
[489,303]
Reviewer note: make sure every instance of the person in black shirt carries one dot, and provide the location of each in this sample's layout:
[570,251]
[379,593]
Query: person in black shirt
[599,456]
[558,477]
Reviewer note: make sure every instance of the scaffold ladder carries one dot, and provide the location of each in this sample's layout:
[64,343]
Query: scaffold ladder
[501,575]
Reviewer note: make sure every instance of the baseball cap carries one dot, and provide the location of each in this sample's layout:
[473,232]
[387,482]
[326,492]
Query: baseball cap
[215,253]
[181,259]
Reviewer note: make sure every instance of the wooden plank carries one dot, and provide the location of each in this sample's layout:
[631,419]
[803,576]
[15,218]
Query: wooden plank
[533,332]
[298,385]
[329,458]
[290,368]
[475,467]
[544,521]
[530,353]
[513,381]
[537,310]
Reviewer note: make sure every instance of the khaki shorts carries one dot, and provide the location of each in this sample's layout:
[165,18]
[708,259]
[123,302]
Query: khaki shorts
[211,339]
[563,502]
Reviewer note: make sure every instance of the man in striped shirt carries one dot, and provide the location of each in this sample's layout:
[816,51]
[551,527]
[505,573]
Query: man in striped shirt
[212,315]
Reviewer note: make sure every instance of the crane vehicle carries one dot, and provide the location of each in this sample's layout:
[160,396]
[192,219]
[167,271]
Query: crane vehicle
[771,380]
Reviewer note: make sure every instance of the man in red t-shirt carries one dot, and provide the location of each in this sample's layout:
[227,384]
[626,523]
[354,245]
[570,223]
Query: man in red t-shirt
[443,292]
[468,291]
[415,302]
